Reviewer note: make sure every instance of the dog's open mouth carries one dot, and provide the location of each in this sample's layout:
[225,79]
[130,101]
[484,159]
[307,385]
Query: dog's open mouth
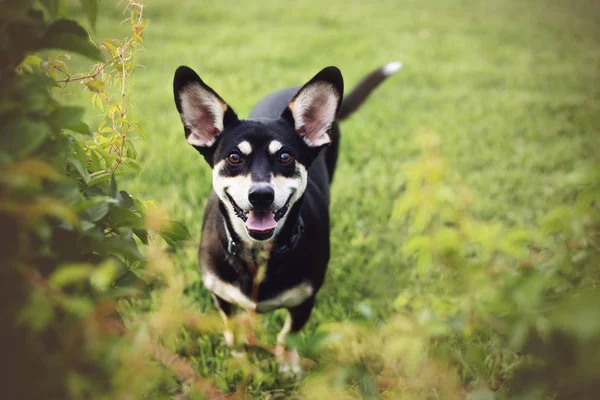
[260,224]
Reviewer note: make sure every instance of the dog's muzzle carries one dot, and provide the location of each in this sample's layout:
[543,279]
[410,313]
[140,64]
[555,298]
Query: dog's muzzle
[260,224]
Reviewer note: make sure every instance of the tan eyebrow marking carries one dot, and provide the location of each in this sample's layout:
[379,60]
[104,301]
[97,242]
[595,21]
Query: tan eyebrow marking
[245,147]
[275,146]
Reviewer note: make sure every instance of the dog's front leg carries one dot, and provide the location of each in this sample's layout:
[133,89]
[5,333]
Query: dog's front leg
[227,311]
[289,360]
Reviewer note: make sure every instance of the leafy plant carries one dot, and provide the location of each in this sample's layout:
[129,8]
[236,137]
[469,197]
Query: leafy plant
[75,242]
[490,310]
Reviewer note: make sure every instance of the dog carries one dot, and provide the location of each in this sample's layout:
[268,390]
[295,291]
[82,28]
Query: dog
[265,233]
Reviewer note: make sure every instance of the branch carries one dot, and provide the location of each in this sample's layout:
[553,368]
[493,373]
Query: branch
[71,78]
[103,65]
[185,372]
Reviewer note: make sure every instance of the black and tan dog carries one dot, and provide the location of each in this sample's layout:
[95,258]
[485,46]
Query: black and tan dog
[271,178]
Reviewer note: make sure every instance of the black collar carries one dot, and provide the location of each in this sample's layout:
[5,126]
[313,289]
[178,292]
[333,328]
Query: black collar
[236,249]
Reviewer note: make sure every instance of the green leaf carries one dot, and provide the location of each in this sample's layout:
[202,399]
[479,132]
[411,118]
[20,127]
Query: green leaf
[104,275]
[118,246]
[588,197]
[108,45]
[447,239]
[130,163]
[221,383]
[38,312]
[68,274]
[69,35]
[416,245]
[103,177]
[128,280]
[308,347]
[124,218]
[93,201]
[86,225]
[78,305]
[108,158]
[174,233]
[96,164]
[80,127]
[96,212]
[52,6]
[80,153]
[91,9]
[125,200]
[80,168]
[294,341]
[66,189]
[66,117]
[140,207]
[94,85]
[515,243]
[142,234]
[138,128]
[113,187]
[28,172]
[131,151]
[32,60]
[97,102]
[557,220]
[23,137]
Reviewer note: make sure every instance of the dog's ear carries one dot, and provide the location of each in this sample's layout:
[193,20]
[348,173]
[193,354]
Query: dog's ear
[316,106]
[203,112]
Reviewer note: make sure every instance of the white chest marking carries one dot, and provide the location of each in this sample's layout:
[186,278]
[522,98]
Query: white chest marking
[228,292]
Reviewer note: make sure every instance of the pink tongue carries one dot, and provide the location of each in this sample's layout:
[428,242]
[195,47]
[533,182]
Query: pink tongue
[260,221]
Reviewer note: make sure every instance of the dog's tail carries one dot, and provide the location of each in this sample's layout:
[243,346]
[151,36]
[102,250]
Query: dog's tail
[351,103]
[359,94]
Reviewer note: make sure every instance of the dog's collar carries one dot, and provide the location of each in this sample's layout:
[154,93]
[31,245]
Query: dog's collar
[236,249]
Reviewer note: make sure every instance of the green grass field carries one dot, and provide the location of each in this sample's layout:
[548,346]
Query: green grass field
[512,88]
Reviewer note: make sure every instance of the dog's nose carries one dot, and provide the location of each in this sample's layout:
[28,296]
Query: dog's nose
[261,196]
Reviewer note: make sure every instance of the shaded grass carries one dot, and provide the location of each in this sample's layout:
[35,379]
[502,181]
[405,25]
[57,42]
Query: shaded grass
[512,88]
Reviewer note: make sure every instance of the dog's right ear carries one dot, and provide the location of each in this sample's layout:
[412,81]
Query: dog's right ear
[203,112]
[314,109]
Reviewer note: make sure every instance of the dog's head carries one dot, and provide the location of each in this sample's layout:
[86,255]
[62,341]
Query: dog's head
[260,166]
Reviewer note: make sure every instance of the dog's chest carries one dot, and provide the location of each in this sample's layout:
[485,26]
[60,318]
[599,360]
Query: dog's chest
[265,299]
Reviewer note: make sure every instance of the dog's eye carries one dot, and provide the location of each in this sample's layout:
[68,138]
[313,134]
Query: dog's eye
[285,158]
[234,158]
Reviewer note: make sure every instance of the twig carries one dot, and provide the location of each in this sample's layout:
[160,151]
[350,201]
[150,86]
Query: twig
[71,78]
[254,342]
[185,372]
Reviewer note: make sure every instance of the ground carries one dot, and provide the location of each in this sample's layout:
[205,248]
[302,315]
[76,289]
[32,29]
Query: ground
[512,89]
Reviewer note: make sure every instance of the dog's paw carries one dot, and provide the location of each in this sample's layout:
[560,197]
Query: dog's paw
[237,350]
[290,371]
[229,337]
[238,353]
[289,363]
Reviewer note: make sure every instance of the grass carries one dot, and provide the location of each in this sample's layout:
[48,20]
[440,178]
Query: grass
[511,87]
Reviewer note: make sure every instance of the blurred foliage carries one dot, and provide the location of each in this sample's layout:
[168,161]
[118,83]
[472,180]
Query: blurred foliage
[490,311]
[73,244]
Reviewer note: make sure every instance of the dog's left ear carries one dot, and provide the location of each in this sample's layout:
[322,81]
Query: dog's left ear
[203,112]
[316,106]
